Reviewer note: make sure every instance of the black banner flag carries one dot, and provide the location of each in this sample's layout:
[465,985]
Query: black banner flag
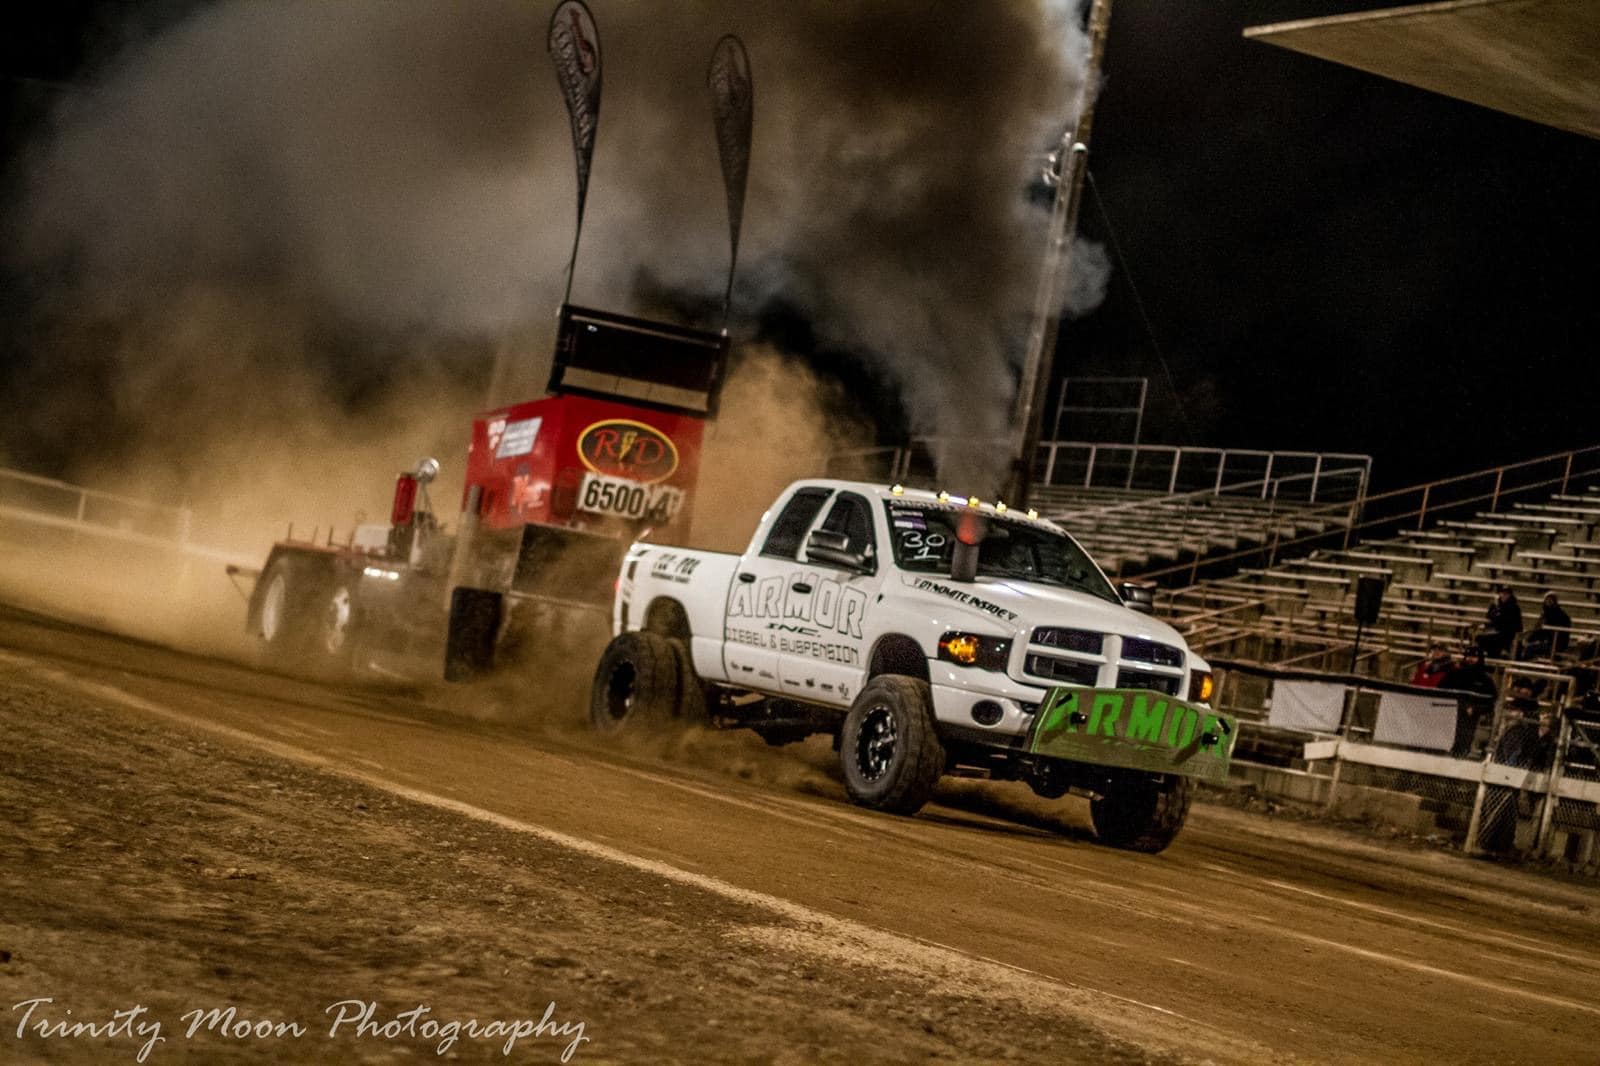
[575,51]
[733,105]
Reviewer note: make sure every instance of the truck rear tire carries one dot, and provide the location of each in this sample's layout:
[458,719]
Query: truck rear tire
[1142,812]
[889,747]
[691,706]
[636,683]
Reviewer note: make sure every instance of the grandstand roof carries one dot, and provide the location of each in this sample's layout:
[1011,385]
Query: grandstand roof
[1538,59]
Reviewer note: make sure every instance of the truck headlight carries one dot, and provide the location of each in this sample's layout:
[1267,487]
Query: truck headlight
[1201,685]
[972,649]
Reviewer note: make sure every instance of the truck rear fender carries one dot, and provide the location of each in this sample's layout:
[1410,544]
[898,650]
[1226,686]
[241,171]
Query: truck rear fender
[667,617]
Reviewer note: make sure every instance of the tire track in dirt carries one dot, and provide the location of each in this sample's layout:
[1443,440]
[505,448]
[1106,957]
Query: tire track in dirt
[1325,968]
[805,930]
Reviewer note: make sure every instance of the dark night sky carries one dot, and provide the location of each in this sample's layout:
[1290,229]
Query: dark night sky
[1329,261]
[1333,261]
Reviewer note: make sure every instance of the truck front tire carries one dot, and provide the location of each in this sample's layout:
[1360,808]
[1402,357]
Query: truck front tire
[636,683]
[1142,812]
[889,748]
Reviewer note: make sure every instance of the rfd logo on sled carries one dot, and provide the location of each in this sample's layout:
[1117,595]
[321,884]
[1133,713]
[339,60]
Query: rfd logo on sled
[826,603]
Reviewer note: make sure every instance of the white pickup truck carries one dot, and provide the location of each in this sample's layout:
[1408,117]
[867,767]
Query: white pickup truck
[928,635]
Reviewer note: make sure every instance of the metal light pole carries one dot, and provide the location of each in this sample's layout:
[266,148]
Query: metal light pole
[1070,165]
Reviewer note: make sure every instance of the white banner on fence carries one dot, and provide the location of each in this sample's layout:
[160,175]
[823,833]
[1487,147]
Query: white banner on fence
[1310,706]
[1415,721]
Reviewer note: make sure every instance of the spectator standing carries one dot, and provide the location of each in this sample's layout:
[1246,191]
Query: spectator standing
[1529,738]
[1431,672]
[1528,742]
[1550,638]
[1472,677]
[1502,623]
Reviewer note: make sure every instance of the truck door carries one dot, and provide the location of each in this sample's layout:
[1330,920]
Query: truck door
[754,619]
[822,645]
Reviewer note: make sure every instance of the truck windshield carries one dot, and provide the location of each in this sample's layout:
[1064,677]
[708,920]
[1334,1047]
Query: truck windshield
[923,537]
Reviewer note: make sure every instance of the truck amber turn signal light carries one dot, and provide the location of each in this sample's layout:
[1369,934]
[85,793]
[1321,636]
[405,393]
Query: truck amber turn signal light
[1201,685]
[970,649]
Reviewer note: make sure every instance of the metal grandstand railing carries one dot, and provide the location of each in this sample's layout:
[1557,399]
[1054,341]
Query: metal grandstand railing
[1196,525]
[40,507]
[1414,506]
[1270,490]
[42,501]
[1171,469]
[1146,468]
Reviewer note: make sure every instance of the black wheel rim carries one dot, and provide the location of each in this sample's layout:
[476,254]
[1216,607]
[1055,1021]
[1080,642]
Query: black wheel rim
[619,691]
[875,745]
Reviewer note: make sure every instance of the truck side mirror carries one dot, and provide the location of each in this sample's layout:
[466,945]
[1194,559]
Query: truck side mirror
[1139,598]
[826,546]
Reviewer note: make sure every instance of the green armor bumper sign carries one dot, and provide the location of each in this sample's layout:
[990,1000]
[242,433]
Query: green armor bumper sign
[1135,729]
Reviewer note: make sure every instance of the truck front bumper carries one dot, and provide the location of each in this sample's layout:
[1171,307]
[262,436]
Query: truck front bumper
[1134,729]
[984,704]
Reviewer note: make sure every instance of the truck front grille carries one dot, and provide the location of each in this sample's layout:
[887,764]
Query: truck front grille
[1139,650]
[1082,640]
[1165,683]
[1062,671]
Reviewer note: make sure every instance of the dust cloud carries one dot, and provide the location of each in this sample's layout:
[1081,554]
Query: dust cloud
[779,423]
[151,596]
[275,253]
[377,177]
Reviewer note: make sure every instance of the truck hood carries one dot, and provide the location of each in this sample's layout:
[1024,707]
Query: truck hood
[1019,606]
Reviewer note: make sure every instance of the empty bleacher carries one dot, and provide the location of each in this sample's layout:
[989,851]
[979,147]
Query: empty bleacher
[1540,533]
[1130,532]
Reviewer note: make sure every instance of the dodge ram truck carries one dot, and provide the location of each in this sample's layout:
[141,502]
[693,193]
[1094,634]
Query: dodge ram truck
[928,635]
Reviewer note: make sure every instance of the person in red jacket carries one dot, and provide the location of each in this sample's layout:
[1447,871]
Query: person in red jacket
[1431,672]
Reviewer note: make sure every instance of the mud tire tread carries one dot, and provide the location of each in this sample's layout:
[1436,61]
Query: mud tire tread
[1142,813]
[919,755]
[656,690]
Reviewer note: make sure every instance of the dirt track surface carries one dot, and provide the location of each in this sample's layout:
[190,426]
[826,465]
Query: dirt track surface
[185,833]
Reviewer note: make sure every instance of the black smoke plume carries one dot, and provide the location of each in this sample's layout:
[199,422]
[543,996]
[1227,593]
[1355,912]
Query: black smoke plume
[275,208]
